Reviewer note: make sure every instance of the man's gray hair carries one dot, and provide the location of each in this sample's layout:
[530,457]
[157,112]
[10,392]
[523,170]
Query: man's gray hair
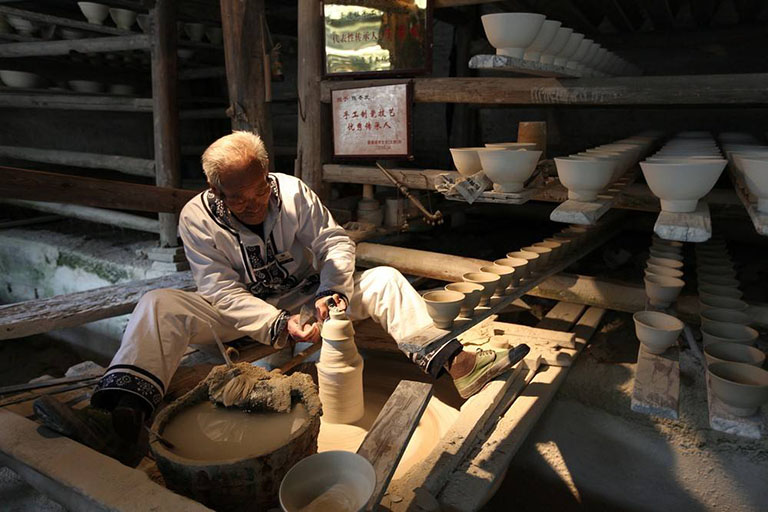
[239,149]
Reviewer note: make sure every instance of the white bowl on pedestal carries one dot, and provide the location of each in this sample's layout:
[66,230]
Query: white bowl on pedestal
[575,60]
[756,175]
[467,161]
[584,179]
[511,32]
[679,186]
[508,169]
[543,39]
[561,59]
[556,46]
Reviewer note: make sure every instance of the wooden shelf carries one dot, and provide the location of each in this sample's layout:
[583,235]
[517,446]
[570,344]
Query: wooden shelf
[65,46]
[736,89]
[64,22]
[685,227]
[588,213]
[759,219]
[525,67]
[125,164]
[73,101]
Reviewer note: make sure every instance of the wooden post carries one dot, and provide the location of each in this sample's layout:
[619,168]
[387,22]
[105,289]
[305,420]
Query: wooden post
[243,25]
[165,110]
[310,145]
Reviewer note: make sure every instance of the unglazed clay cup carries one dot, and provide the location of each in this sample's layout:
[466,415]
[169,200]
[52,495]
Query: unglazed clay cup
[471,293]
[679,186]
[734,353]
[717,332]
[507,168]
[543,39]
[123,18]
[566,244]
[722,315]
[719,291]
[662,291]
[742,388]
[512,32]
[656,331]
[545,253]
[658,270]
[443,306]
[505,277]
[722,303]
[665,262]
[487,280]
[531,257]
[93,12]
[584,179]
[519,264]
[555,246]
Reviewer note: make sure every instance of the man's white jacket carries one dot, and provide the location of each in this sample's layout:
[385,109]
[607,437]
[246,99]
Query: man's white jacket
[254,278]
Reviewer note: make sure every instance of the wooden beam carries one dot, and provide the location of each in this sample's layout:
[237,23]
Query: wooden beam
[58,188]
[64,22]
[732,89]
[124,164]
[64,46]
[248,74]
[165,111]
[38,316]
[67,101]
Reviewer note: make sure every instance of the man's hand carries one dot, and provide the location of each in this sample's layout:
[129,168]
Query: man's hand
[321,305]
[309,333]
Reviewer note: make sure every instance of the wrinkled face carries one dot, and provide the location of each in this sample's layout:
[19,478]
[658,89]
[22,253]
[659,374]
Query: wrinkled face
[245,191]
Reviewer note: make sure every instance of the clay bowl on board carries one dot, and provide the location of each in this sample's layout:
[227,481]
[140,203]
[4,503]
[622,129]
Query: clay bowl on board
[730,316]
[734,353]
[716,332]
[511,32]
[662,291]
[531,257]
[20,79]
[722,303]
[756,175]
[565,245]
[93,12]
[507,168]
[619,167]
[305,483]
[584,179]
[658,270]
[555,246]
[443,306]
[543,39]
[665,262]
[467,161]
[487,280]
[506,274]
[657,331]
[679,186]
[711,290]
[519,264]
[529,146]
[545,254]
[471,293]
[556,46]
[742,388]
[123,18]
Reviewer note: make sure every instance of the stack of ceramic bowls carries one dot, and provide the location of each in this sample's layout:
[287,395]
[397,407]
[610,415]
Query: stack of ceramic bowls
[664,273]
[587,173]
[683,171]
[534,38]
[749,159]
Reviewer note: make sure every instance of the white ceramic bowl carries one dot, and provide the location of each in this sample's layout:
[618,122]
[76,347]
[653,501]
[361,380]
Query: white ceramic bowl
[20,79]
[742,388]
[123,18]
[679,186]
[584,179]
[508,169]
[93,12]
[556,46]
[543,39]
[657,331]
[443,306]
[467,161]
[575,60]
[511,32]
[561,59]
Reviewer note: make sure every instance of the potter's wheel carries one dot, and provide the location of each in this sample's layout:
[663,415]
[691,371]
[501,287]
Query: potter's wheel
[380,377]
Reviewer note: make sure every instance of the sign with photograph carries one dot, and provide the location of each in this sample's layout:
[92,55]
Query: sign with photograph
[372,122]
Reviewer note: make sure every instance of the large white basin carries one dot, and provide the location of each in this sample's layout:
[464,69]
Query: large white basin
[543,39]
[508,169]
[511,32]
[467,161]
[584,179]
[679,186]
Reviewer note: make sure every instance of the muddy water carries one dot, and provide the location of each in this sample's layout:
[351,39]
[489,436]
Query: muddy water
[210,433]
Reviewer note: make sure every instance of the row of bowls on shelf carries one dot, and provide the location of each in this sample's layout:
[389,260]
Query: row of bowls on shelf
[507,164]
[749,159]
[24,79]
[532,37]
[733,363]
[683,171]
[499,277]
[587,173]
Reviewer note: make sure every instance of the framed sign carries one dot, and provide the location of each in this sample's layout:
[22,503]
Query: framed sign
[372,122]
[377,37]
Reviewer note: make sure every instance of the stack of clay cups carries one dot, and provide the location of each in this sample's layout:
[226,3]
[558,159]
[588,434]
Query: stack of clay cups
[663,284]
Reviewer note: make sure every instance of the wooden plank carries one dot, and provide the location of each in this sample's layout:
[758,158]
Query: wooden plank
[65,46]
[516,65]
[66,101]
[64,22]
[553,337]
[588,213]
[759,219]
[54,187]
[685,227]
[125,164]
[491,196]
[656,390]
[562,316]
[444,267]
[417,179]
[43,315]
[728,89]
[720,419]
[387,439]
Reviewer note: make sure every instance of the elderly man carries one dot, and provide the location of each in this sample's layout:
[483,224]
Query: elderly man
[260,246]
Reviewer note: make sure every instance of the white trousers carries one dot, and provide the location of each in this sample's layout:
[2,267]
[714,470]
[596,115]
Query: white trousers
[166,321]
